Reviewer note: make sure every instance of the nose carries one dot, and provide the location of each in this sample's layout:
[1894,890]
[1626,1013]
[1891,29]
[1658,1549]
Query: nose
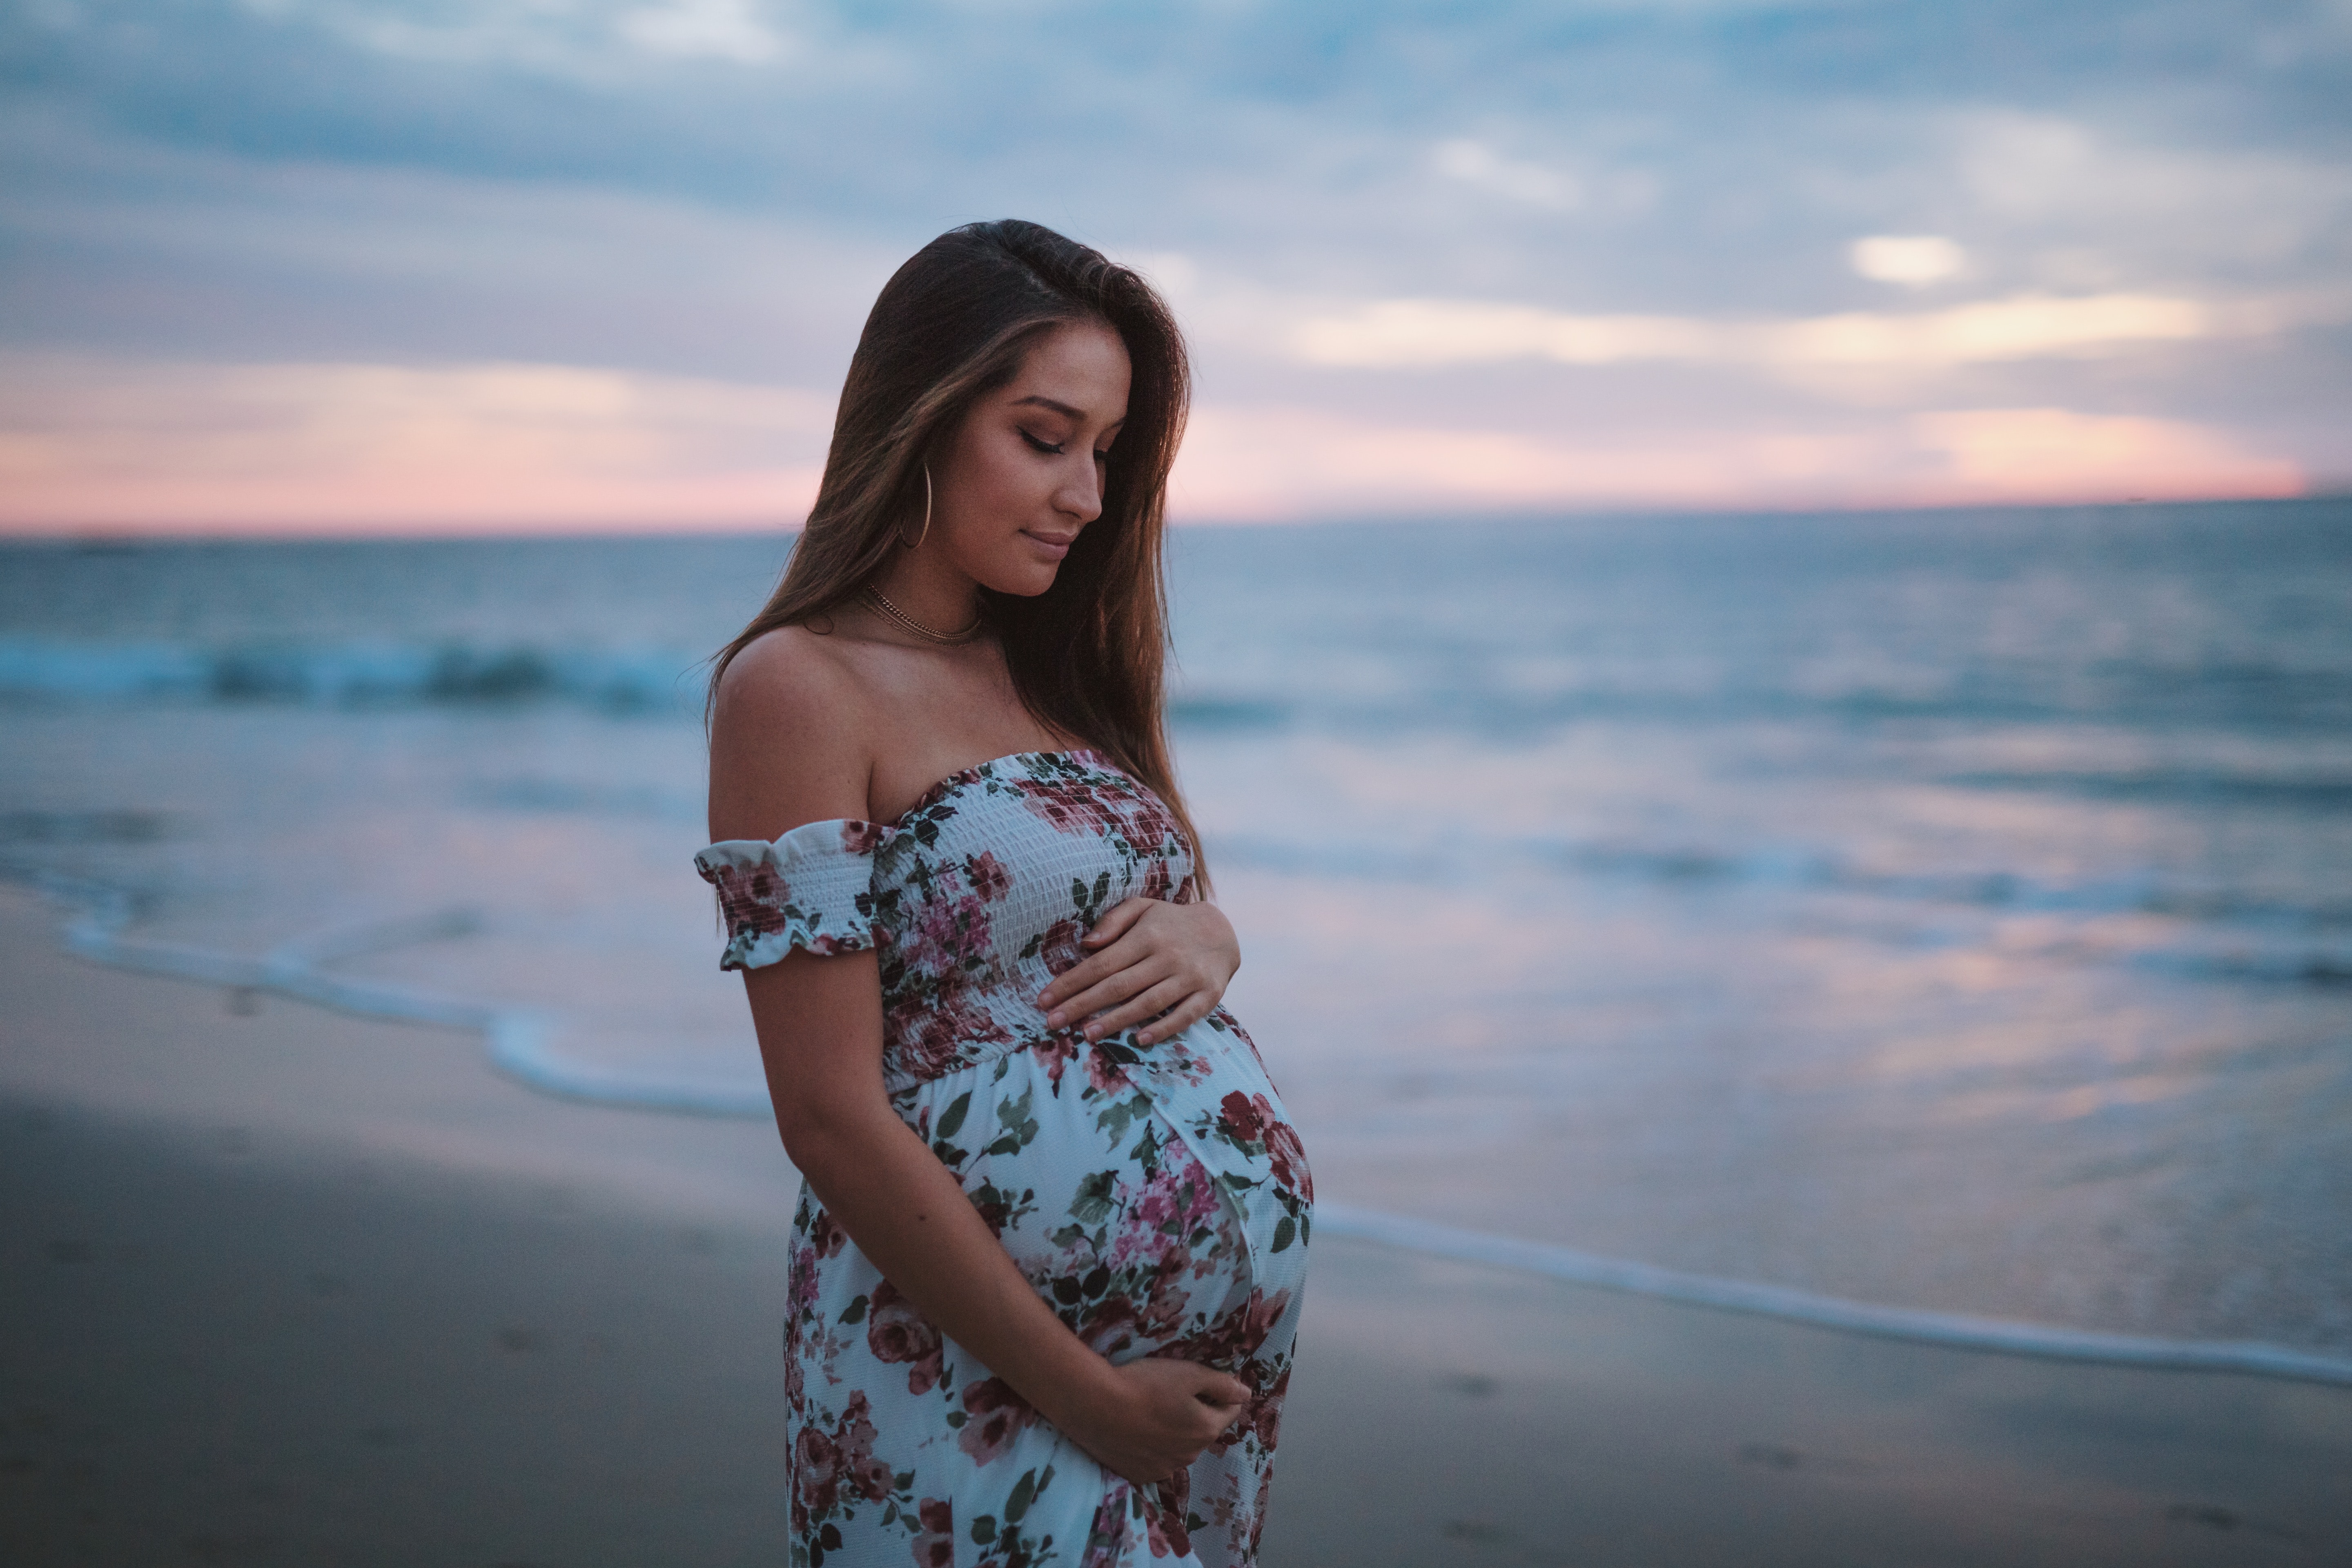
[1079,495]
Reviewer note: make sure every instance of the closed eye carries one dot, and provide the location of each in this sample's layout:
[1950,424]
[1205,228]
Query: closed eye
[1052,448]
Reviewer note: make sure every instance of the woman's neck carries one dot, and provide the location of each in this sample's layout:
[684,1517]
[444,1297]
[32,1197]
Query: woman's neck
[932,593]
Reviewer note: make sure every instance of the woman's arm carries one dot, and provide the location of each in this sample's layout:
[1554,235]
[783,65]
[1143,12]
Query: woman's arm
[784,753]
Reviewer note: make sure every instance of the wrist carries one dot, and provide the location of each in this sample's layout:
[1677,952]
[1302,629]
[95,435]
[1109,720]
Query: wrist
[1081,1392]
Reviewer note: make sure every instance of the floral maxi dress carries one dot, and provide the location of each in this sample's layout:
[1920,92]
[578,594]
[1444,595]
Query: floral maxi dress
[1157,1197]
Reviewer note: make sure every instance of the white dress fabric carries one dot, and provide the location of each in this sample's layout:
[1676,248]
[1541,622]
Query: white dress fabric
[1157,1197]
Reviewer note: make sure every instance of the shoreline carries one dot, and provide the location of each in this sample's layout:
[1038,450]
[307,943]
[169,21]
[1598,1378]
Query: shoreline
[516,1043]
[283,1290]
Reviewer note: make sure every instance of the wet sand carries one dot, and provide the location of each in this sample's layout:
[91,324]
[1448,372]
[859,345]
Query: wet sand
[282,1286]
[219,1354]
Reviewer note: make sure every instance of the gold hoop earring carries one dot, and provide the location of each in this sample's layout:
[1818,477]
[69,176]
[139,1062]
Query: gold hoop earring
[927,514]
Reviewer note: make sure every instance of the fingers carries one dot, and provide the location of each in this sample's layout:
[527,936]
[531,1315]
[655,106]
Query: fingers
[1147,1003]
[1117,921]
[1095,999]
[1137,976]
[1187,1013]
[1081,981]
[1226,1397]
[1209,1385]
[1090,972]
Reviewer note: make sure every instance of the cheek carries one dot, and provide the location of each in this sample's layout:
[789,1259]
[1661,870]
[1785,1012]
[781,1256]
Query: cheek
[1007,482]
[991,478]
[1000,491]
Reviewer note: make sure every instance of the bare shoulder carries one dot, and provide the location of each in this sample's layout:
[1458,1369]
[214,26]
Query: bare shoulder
[786,672]
[789,737]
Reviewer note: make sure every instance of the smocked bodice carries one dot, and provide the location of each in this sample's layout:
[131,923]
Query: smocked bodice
[972,902]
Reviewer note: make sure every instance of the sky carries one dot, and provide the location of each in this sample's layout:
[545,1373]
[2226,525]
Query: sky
[354,266]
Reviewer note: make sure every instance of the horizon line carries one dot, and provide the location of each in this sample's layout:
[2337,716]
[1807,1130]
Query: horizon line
[14,532]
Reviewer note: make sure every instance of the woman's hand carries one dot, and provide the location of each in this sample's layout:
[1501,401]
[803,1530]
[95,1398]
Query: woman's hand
[1147,957]
[1151,1418]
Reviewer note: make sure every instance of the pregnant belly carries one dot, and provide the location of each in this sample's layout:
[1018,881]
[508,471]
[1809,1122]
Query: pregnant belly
[1103,1206]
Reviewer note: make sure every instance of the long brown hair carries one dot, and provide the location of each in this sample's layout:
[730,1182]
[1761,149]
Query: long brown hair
[1087,655]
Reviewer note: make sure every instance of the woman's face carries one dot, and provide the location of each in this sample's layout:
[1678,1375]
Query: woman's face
[1025,470]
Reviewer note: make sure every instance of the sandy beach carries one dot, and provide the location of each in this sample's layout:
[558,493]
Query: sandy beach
[286,1287]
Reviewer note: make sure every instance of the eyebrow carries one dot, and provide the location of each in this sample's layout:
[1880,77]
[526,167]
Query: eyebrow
[1064,409]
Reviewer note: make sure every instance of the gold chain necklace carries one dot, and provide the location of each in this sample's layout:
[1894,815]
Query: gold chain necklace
[876,597]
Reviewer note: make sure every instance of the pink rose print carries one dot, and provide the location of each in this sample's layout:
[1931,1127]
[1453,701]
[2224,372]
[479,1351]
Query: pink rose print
[1060,946]
[1259,1319]
[825,1463]
[816,1471]
[1266,1412]
[1057,1052]
[987,875]
[825,1238]
[935,1545]
[863,837]
[871,1477]
[1288,1157]
[994,1417]
[1109,1325]
[1069,808]
[1165,1522]
[1104,1077]
[1112,1532]
[935,1035]
[898,1334]
[1102,803]
[751,898]
[1245,1116]
[1158,882]
[853,1450]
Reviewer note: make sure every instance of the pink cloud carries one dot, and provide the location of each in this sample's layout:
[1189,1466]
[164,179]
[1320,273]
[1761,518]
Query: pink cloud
[1241,464]
[170,448]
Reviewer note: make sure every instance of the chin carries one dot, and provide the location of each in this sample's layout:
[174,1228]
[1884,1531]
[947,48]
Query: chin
[1023,582]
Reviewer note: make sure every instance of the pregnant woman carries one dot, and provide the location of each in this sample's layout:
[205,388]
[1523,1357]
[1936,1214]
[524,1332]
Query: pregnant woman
[1047,1262]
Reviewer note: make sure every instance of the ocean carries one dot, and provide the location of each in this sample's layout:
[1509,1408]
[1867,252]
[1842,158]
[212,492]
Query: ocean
[1948,911]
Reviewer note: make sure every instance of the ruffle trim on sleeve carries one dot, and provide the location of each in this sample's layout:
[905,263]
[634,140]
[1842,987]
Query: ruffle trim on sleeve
[813,890]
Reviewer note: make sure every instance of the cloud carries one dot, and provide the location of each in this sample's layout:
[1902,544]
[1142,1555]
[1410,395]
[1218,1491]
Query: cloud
[1246,463]
[1477,165]
[714,29]
[578,38]
[2056,180]
[177,448]
[1403,332]
[1430,332]
[169,253]
[2057,454]
[1912,259]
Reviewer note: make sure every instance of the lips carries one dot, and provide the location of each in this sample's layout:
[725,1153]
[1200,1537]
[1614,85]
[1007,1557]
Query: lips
[1057,545]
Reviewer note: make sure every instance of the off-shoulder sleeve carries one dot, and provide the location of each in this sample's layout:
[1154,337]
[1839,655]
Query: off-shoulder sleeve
[812,889]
